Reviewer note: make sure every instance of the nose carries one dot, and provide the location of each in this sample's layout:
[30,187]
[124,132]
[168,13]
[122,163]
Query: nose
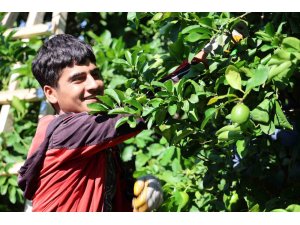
[92,84]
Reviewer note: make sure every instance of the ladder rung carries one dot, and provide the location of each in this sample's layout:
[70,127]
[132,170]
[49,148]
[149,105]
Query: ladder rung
[30,31]
[30,95]
[13,170]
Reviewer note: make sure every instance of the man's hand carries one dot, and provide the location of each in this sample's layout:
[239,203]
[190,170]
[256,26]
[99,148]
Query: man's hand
[148,194]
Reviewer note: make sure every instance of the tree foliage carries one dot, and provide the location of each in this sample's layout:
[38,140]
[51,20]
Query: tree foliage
[205,161]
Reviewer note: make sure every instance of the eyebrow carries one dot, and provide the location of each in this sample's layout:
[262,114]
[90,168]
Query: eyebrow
[78,75]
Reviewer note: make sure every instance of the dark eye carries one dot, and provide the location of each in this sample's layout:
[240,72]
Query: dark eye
[79,78]
[96,74]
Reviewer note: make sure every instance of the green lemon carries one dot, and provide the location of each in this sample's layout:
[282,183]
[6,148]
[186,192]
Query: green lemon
[240,113]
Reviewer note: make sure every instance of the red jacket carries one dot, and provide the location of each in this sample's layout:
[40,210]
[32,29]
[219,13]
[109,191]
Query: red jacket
[73,164]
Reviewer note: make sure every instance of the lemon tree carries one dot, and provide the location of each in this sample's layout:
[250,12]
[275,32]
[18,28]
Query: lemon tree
[211,135]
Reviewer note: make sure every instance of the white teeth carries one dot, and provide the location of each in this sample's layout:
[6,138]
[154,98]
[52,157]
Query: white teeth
[90,97]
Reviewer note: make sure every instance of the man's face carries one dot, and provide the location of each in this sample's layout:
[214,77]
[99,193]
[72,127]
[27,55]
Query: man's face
[77,87]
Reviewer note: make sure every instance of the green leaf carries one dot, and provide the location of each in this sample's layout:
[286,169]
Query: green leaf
[293,208]
[172,109]
[280,119]
[113,94]
[135,57]
[169,86]
[291,44]
[190,29]
[155,149]
[169,177]
[106,100]
[260,115]
[134,103]
[3,189]
[230,135]
[158,84]
[209,113]
[280,56]
[216,98]
[266,47]
[157,16]
[147,111]
[12,194]
[264,36]
[179,88]
[262,111]
[181,199]
[186,106]
[277,210]
[98,107]
[194,99]
[268,129]
[120,110]
[121,61]
[270,29]
[167,155]
[121,121]
[198,89]
[266,59]
[151,120]
[222,184]
[131,16]
[141,63]
[241,147]
[280,70]
[162,94]
[141,160]
[132,121]
[180,135]
[233,77]
[259,77]
[176,167]
[197,29]
[193,37]
[18,105]
[2,180]
[128,57]
[229,127]
[177,48]
[160,116]
[155,102]
[193,114]
[120,94]
[279,29]
[206,22]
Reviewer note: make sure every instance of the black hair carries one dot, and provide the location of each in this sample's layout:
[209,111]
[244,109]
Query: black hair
[57,53]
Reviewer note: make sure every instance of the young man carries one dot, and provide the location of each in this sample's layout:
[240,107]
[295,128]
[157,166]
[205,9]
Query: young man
[73,163]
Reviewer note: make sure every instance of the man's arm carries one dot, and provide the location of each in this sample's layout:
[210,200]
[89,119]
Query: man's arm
[215,43]
[83,130]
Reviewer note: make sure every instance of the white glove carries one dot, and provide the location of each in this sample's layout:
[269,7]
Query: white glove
[148,192]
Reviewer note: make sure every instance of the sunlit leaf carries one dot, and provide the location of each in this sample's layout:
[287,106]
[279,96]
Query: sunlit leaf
[233,77]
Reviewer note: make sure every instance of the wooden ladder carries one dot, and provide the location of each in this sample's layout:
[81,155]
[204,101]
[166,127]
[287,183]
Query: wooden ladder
[35,26]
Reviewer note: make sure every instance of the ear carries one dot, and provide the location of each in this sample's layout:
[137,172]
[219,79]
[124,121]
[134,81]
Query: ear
[50,93]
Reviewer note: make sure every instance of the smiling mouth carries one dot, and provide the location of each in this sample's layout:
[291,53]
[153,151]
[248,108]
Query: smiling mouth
[91,99]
